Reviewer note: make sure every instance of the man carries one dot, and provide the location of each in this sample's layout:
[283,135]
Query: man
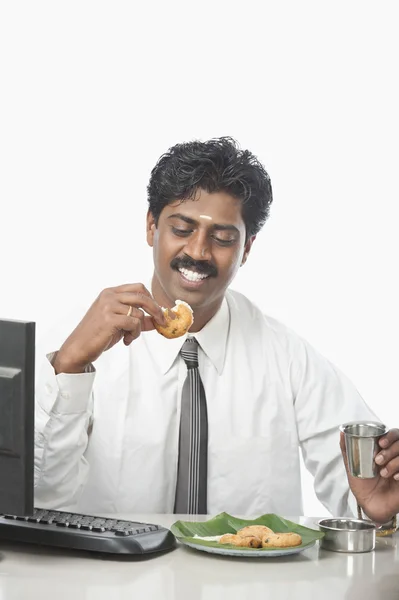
[213,426]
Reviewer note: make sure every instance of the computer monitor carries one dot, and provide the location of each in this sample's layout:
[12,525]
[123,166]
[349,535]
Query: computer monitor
[17,375]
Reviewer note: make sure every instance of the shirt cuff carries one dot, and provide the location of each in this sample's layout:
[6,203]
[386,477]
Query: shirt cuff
[68,393]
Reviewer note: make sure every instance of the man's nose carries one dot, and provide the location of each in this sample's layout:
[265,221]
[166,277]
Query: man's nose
[197,248]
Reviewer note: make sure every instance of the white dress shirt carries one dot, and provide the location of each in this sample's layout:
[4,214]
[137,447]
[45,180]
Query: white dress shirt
[107,440]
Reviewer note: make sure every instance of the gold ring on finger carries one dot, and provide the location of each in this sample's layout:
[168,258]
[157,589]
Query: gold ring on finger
[129,312]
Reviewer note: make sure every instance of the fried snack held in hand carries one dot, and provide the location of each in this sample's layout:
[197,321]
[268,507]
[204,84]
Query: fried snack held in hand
[180,324]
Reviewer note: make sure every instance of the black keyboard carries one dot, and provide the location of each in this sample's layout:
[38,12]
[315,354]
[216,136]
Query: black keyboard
[85,532]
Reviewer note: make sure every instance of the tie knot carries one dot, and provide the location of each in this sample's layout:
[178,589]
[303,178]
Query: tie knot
[189,352]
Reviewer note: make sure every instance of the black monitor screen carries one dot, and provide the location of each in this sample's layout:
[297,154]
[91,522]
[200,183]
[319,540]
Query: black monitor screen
[17,374]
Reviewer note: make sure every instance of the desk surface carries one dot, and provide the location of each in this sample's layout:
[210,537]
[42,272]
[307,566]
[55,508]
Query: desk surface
[35,573]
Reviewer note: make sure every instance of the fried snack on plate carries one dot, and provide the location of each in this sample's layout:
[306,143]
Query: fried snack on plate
[243,542]
[183,319]
[281,540]
[258,531]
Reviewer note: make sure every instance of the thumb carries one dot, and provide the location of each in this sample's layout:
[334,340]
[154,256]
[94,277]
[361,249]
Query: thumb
[147,324]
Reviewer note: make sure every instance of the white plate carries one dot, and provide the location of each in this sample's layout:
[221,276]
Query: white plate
[250,553]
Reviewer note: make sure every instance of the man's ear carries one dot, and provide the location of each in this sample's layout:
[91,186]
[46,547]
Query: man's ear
[247,249]
[151,227]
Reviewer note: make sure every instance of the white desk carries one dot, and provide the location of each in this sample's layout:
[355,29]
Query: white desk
[31,573]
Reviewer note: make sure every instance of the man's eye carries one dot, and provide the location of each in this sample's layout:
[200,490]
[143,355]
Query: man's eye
[224,242]
[181,232]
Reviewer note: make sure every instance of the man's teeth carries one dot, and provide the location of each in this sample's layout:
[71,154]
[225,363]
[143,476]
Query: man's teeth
[193,275]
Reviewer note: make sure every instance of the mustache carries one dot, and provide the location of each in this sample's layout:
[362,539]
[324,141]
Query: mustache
[200,266]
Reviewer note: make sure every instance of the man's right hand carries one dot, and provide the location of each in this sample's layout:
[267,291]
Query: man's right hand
[106,322]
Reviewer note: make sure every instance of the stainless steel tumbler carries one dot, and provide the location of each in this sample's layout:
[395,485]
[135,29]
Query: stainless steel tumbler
[361,442]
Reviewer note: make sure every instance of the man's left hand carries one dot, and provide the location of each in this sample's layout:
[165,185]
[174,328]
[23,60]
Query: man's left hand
[379,497]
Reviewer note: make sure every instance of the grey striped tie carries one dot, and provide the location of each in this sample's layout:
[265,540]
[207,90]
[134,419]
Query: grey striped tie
[191,486]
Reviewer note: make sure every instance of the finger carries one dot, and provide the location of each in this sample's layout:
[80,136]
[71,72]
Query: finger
[388,454]
[128,311]
[391,469]
[139,300]
[389,438]
[146,324]
[128,324]
[135,288]
[128,339]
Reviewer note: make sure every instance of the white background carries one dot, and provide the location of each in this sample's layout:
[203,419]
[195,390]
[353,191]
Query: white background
[92,93]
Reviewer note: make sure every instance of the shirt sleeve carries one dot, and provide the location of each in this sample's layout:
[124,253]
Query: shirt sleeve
[324,398]
[63,416]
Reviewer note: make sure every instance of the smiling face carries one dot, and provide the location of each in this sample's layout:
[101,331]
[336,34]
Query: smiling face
[198,246]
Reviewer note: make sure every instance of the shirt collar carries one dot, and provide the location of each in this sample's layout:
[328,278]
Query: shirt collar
[212,339]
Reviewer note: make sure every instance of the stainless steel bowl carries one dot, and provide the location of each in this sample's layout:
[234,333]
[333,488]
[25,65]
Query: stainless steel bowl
[347,535]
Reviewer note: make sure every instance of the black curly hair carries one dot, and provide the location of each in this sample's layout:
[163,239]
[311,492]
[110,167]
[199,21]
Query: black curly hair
[217,165]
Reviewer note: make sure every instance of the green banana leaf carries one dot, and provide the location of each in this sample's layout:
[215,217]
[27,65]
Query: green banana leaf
[225,523]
